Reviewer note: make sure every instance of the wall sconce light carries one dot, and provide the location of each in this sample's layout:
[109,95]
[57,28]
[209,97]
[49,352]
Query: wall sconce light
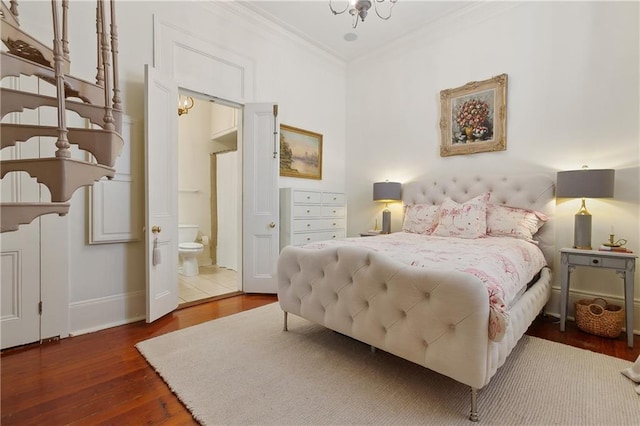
[387,192]
[185,106]
[584,183]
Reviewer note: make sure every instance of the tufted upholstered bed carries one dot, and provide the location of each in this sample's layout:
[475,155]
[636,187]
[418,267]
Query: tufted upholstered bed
[434,318]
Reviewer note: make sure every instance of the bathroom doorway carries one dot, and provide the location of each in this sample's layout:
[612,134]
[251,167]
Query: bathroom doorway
[209,196]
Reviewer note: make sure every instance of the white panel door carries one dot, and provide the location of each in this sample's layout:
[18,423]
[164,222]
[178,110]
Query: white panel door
[161,177]
[20,296]
[21,249]
[260,233]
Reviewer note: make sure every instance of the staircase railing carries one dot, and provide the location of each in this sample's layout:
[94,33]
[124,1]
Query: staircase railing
[100,102]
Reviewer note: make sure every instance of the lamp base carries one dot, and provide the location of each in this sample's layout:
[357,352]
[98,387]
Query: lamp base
[582,231]
[386,221]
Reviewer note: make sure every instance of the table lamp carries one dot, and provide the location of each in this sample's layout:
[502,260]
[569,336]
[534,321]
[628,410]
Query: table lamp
[584,183]
[387,192]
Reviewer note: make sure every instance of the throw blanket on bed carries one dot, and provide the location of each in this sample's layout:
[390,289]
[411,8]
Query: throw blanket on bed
[504,265]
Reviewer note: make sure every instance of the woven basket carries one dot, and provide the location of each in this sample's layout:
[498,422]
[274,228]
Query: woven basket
[598,317]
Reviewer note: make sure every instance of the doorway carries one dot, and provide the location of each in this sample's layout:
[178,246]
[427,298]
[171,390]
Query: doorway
[209,197]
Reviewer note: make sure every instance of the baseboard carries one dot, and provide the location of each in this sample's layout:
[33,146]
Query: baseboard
[98,314]
[553,307]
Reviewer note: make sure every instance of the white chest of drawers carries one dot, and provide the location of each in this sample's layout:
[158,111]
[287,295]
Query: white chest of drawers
[307,216]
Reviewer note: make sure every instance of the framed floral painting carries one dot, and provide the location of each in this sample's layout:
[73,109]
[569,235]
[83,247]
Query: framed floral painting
[473,117]
[300,153]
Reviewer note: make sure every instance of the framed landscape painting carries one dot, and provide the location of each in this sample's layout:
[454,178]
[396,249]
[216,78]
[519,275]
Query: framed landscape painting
[300,153]
[473,118]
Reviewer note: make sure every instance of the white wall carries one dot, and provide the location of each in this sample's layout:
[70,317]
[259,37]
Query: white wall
[194,171]
[228,246]
[572,100]
[107,281]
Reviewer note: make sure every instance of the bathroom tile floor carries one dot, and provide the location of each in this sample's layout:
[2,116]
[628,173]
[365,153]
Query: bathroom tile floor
[212,281]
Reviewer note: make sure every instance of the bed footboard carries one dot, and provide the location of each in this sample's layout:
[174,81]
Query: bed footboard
[433,318]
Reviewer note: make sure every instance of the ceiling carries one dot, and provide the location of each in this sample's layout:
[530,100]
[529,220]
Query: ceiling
[314,21]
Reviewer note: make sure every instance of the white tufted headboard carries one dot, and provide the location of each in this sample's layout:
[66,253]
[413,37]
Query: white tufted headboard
[534,192]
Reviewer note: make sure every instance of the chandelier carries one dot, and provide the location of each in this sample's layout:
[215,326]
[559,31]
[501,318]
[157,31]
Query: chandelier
[360,8]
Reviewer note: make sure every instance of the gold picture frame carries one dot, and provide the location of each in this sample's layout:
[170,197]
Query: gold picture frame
[473,117]
[300,153]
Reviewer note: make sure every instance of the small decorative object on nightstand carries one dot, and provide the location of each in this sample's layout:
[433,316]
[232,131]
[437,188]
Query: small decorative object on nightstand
[623,263]
[615,245]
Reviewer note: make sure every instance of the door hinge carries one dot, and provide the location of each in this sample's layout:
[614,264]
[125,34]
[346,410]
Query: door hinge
[40,307]
[275,131]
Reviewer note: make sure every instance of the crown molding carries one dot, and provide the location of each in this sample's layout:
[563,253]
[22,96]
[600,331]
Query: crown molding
[252,20]
[474,14]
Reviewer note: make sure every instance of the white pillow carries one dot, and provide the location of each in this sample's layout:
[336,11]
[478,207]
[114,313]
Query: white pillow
[506,221]
[467,220]
[420,218]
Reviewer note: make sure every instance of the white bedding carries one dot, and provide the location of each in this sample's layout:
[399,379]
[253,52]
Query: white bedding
[503,265]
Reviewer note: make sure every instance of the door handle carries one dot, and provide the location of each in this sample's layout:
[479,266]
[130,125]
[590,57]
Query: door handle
[272,225]
[156,229]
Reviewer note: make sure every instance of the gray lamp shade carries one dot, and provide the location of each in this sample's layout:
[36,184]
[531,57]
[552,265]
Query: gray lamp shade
[587,183]
[387,191]
[584,183]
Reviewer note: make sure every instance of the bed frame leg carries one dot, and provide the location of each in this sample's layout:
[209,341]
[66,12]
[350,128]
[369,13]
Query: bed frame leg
[474,405]
[285,327]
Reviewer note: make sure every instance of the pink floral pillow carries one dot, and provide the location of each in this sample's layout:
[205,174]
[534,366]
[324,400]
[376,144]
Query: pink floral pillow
[420,218]
[505,221]
[467,220]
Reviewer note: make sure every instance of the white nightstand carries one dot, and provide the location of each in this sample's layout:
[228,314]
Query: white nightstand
[623,263]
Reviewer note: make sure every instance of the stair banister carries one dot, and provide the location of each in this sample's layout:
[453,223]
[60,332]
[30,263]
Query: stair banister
[61,174]
[117,103]
[13,7]
[65,32]
[99,70]
[62,143]
[108,113]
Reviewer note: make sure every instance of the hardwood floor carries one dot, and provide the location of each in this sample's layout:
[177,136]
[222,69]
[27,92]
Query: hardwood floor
[100,378]
[549,328]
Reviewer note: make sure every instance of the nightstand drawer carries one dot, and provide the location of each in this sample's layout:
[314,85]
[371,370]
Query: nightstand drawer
[597,261]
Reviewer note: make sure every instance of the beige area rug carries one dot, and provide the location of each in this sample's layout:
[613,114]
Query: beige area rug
[243,369]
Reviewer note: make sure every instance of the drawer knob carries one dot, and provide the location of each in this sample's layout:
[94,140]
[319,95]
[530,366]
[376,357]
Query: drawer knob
[595,261]
[334,224]
[334,211]
[308,197]
[308,211]
[308,238]
[308,225]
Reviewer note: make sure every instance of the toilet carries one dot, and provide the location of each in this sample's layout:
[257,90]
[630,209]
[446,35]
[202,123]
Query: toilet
[188,249]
